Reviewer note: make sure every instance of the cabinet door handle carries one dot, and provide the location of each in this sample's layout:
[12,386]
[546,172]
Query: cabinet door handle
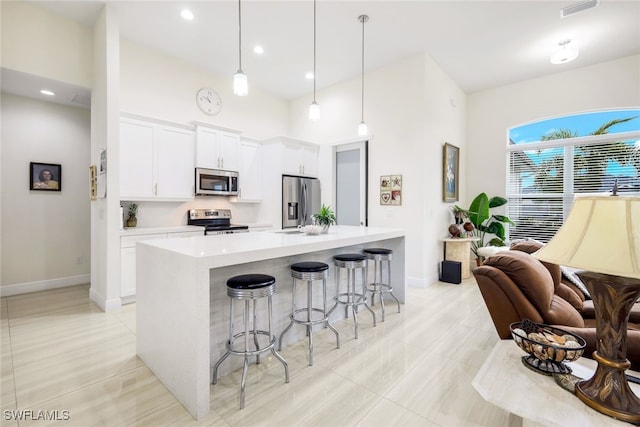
[155,190]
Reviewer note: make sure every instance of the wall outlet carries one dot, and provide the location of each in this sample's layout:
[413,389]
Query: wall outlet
[80,260]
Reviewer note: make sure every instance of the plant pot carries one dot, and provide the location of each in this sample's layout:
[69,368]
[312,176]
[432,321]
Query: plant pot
[325,228]
[132,221]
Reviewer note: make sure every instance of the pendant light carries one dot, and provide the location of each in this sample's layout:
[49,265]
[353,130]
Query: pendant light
[314,108]
[363,130]
[240,84]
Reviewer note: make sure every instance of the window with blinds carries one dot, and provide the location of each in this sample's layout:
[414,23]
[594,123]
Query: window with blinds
[546,172]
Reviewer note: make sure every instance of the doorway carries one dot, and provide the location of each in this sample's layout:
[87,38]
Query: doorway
[351,178]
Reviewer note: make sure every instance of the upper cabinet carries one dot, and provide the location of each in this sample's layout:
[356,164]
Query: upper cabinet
[156,160]
[296,157]
[250,171]
[216,148]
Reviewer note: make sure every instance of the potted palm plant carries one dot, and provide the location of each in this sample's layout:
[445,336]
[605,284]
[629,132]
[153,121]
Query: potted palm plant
[325,217]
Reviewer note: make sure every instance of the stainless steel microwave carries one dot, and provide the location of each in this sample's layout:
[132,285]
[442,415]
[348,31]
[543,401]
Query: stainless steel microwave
[215,182]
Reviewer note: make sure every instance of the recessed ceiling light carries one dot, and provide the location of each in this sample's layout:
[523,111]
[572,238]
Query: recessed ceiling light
[47,92]
[187,14]
[309,76]
[259,50]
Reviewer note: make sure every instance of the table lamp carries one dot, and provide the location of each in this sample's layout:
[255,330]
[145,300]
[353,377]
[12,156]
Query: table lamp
[602,235]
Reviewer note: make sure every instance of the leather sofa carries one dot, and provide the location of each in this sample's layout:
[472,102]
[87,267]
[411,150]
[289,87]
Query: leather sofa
[516,286]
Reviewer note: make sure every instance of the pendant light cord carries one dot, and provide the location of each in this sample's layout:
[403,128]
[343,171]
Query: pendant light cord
[314,50]
[239,36]
[363,18]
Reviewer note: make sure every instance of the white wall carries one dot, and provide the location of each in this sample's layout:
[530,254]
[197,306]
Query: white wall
[44,233]
[612,84]
[39,43]
[408,107]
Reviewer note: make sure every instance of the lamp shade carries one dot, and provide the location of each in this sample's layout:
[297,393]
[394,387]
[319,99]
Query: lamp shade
[601,234]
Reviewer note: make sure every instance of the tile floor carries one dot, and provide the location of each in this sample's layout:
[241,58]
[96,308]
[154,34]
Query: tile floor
[61,353]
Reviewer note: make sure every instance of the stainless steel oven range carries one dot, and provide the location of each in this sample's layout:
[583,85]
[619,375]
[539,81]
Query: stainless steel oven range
[215,221]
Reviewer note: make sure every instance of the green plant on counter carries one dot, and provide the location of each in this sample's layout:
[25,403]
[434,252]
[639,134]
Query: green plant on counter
[485,223]
[325,216]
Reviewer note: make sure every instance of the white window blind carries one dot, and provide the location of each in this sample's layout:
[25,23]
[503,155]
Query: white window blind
[544,177]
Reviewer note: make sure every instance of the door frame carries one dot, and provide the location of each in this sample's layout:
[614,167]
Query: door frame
[363,146]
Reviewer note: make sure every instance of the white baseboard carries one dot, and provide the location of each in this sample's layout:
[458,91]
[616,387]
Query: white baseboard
[43,285]
[420,282]
[114,304]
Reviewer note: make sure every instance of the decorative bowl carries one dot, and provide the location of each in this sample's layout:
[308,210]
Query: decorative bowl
[547,346]
[311,230]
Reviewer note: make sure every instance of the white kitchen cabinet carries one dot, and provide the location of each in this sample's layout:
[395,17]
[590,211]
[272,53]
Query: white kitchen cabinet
[128,258]
[292,156]
[216,149]
[156,161]
[250,171]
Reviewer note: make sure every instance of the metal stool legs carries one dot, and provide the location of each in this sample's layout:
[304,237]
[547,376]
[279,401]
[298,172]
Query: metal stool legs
[298,314]
[249,296]
[351,299]
[378,286]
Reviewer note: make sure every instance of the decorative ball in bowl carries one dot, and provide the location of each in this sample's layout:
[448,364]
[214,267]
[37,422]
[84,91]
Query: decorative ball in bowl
[311,230]
[548,347]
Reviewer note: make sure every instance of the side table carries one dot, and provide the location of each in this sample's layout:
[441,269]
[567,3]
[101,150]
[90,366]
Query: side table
[459,250]
[533,399]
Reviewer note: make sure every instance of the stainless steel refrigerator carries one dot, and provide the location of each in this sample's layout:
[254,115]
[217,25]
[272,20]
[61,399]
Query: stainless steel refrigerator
[300,200]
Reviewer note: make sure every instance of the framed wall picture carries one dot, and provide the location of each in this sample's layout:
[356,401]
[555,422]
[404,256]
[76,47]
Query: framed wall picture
[45,176]
[450,172]
[391,190]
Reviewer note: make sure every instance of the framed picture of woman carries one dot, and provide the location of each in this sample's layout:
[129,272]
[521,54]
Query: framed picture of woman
[45,177]
[450,172]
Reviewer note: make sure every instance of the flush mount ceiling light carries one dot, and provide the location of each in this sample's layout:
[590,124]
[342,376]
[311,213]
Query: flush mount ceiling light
[258,50]
[363,129]
[567,52]
[47,92]
[240,84]
[314,108]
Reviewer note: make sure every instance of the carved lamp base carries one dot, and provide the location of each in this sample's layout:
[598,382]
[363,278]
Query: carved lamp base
[608,391]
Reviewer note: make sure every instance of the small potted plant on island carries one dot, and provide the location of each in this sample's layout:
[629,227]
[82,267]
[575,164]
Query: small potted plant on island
[325,217]
[132,221]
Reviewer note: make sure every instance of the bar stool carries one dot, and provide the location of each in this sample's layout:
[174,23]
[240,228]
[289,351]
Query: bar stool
[310,271]
[378,256]
[351,262]
[249,288]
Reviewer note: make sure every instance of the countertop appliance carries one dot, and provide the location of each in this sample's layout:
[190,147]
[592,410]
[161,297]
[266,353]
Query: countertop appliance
[216,182]
[215,221]
[300,200]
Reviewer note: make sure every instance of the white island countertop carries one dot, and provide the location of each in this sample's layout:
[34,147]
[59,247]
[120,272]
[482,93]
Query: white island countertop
[182,303]
[230,249]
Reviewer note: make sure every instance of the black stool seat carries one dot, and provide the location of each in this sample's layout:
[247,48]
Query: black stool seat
[349,257]
[378,251]
[251,281]
[309,267]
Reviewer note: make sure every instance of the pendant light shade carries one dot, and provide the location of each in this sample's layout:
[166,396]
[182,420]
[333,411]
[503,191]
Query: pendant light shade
[363,129]
[314,111]
[240,83]
[314,108]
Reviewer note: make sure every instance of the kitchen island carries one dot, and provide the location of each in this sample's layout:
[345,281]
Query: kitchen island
[182,304]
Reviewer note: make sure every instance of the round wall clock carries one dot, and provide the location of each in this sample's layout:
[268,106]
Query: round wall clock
[209,101]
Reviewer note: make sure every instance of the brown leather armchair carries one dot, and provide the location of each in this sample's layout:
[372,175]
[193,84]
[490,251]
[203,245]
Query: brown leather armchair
[567,290]
[516,286]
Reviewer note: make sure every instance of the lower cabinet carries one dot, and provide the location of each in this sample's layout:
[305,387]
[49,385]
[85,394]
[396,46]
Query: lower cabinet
[128,259]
